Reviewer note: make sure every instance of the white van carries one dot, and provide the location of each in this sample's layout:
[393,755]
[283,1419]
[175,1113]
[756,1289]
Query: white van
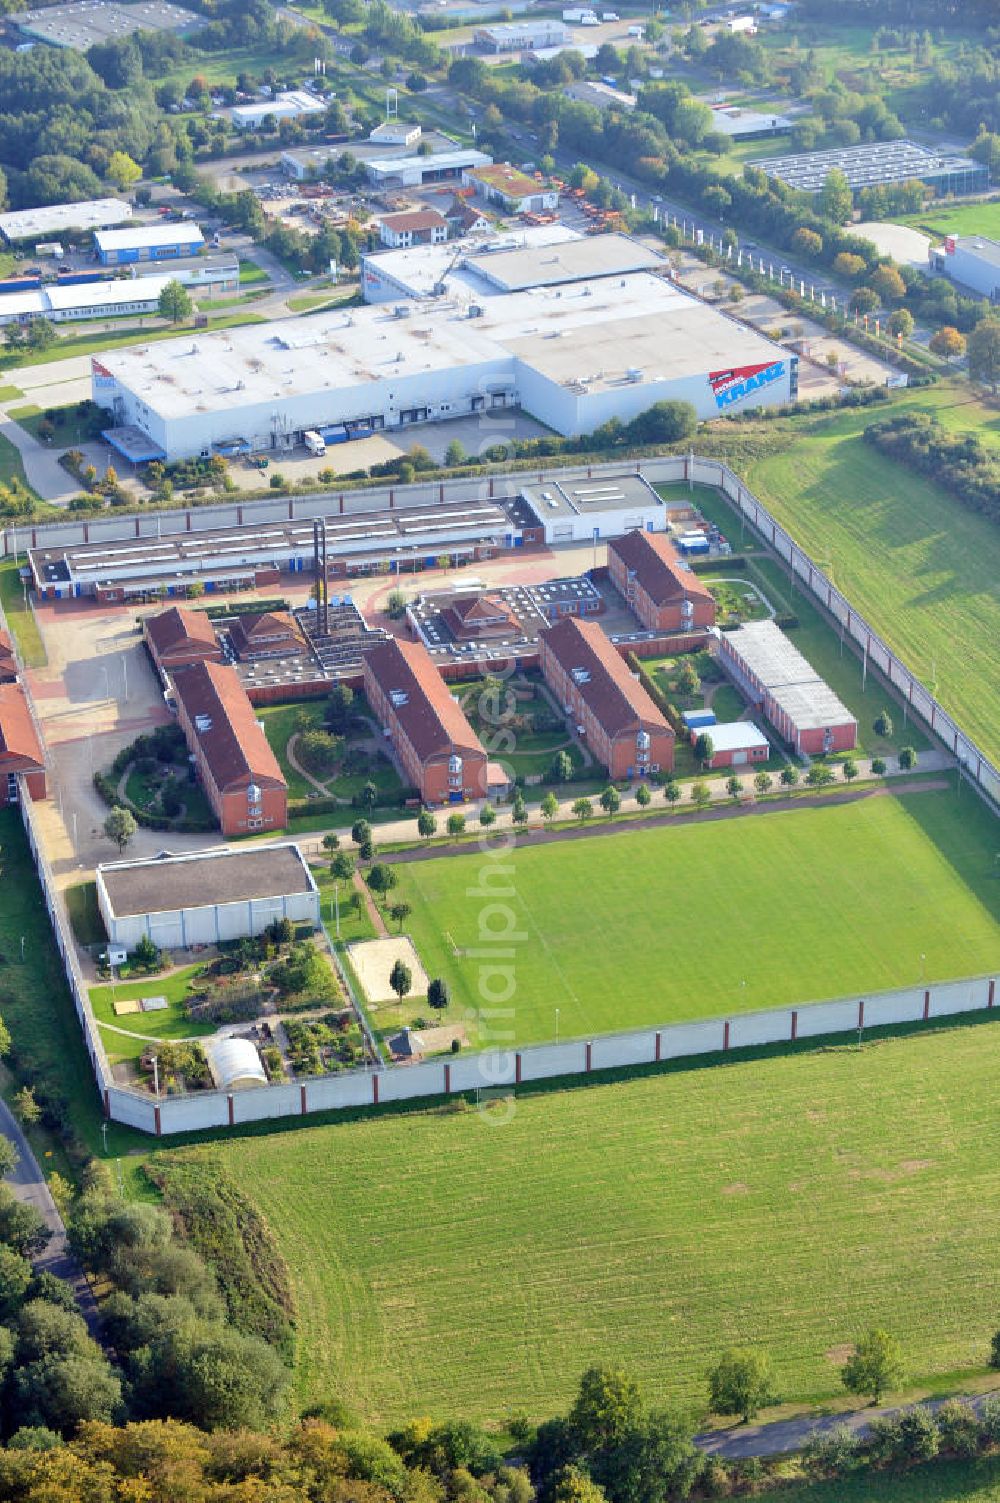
[314,442]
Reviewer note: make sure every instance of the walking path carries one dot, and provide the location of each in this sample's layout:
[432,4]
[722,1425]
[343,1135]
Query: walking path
[374,912]
[781,1436]
[539,835]
[396,831]
[28,1184]
[45,474]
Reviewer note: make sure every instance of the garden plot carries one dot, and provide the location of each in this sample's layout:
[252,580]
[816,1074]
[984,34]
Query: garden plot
[373,961]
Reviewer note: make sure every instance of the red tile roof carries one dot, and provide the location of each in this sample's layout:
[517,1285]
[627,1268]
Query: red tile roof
[8,661]
[413,220]
[658,568]
[225,726]
[433,721]
[178,630]
[20,749]
[258,628]
[612,694]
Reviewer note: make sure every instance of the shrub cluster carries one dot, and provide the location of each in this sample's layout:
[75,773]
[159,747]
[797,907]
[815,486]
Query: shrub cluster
[957,461]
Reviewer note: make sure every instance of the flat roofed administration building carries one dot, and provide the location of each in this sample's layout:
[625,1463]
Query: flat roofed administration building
[77,301]
[206,898]
[63,219]
[411,534]
[573,356]
[878,164]
[774,675]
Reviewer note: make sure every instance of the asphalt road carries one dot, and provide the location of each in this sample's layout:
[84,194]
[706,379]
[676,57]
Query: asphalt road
[28,1184]
[783,1436]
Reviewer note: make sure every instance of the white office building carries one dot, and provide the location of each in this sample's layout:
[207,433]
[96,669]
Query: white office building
[971,260]
[83,300]
[291,106]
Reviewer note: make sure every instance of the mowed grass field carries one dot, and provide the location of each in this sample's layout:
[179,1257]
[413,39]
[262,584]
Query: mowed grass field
[975,1481]
[923,569]
[655,925]
[473,1263]
[959,219]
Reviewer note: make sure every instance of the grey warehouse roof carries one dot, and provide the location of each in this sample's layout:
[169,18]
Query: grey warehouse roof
[135,888]
[789,677]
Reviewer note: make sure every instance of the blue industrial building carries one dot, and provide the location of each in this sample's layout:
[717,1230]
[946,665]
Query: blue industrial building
[147,242]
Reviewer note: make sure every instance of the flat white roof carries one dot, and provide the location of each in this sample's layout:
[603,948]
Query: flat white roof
[735,735]
[52,298]
[91,214]
[590,336]
[418,269]
[731,120]
[99,294]
[541,265]
[294,102]
[140,236]
[440,161]
[980,247]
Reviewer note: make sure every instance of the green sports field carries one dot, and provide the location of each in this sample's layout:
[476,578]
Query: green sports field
[473,1263]
[656,925]
[922,568]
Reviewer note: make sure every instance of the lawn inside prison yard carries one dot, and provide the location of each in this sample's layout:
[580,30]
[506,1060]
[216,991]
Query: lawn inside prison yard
[921,567]
[661,924]
[792,1201]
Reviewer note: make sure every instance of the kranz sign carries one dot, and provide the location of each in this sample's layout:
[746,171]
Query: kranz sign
[735,384]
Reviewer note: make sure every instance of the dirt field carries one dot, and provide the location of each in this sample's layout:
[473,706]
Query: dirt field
[373,961]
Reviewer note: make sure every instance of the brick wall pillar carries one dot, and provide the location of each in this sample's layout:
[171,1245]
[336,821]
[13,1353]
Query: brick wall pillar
[447,1080]
[375,1088]
[795,1025]
[302,1100]
[725,1034]
[990,994]
[659,1048]
[861,1013]
[590,1057]
[156,1120]
[231,1109]
[927,1004]
[517,1068]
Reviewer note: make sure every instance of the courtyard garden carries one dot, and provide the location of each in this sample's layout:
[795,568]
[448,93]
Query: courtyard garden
[520,724]
[153,777]
[332,749]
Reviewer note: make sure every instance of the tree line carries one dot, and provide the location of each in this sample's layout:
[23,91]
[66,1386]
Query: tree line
[959,462]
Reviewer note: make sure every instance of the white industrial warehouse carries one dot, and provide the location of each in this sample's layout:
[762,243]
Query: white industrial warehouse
[573,356]
[81,300]
[205,898]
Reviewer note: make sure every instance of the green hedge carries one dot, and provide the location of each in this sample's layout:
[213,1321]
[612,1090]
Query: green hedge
[108,791]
